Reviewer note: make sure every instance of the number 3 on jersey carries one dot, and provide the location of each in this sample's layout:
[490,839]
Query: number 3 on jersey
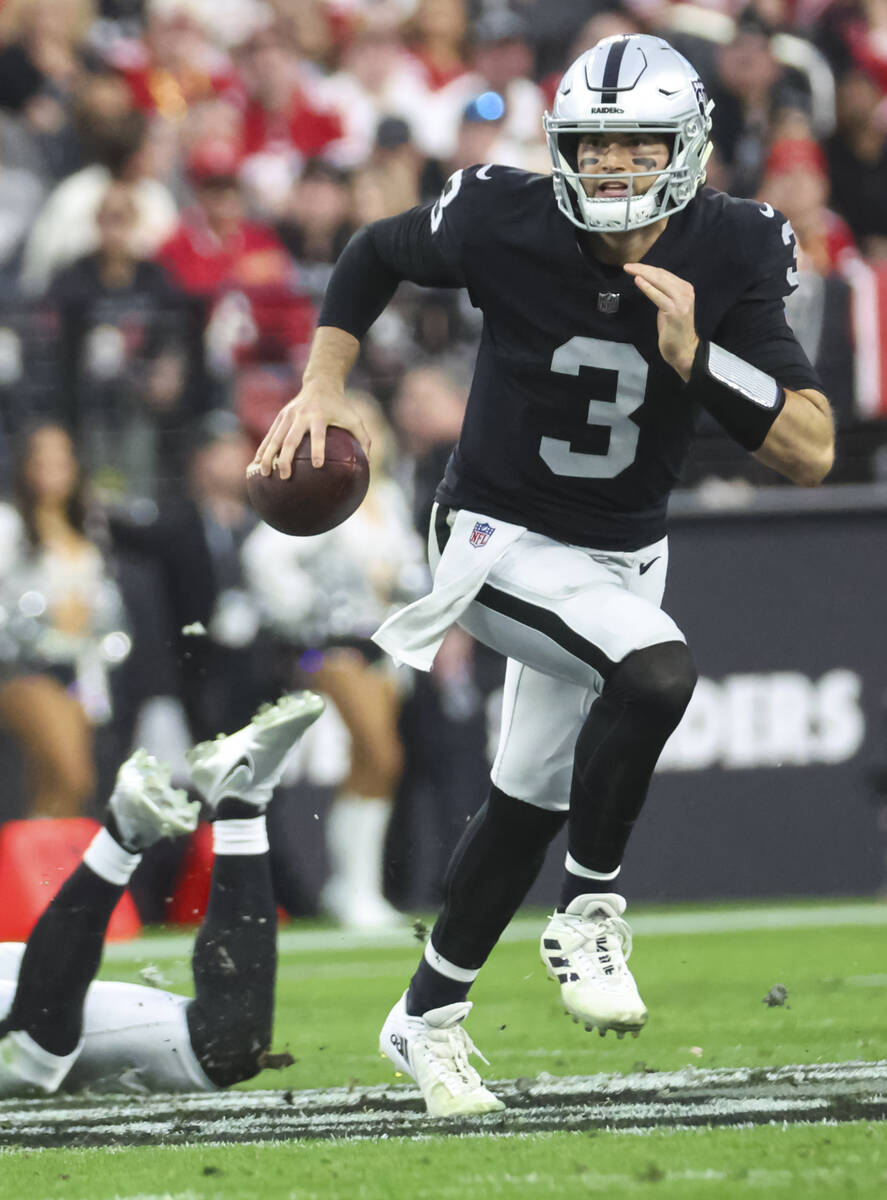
[447,196]
[630,369]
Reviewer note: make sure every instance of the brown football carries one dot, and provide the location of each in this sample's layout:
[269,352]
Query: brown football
[313,499]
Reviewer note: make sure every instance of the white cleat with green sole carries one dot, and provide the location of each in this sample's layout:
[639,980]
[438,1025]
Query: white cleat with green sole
[146,807]
[248,765]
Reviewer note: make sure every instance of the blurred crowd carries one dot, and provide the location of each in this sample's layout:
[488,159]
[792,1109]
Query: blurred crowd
[177,179]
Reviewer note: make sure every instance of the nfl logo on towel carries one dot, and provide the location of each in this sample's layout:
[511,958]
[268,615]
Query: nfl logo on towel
[481,533]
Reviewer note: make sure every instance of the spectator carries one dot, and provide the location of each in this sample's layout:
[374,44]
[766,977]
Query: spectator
[605,23]
[66,229]
[21,194]
[214,245]
[323,596]
[101,105]
[40,67]
[502,61]
[851,35]
[65,628]
[241,280]
[123,367]
[196,539]
[427,412]
[857,158]
[41,58]
[562,29]
[316,223]
[796,182]
[481,137]
[751,91]
[285,121]
[175,64]
[439,772]
[437,35]
[377,78]
[391,180]
[315,28]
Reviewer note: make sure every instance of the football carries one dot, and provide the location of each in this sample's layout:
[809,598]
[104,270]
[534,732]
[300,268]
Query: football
[313,499]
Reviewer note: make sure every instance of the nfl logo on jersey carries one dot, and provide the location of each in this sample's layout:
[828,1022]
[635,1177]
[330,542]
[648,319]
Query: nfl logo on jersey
[608,302]
[481,533]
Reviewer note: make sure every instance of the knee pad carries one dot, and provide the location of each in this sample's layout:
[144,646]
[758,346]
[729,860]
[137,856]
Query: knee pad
[659,678]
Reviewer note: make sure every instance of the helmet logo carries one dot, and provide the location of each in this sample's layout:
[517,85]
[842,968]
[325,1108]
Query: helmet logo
[606,108]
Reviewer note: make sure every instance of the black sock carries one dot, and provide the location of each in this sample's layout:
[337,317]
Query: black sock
[235,964]
[232,809]
[579,885]
[493,867]
[61,960]
[429,989]
[642,702]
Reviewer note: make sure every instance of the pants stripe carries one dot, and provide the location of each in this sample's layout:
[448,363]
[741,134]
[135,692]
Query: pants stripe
[548,623]
[442,529]
[534,616]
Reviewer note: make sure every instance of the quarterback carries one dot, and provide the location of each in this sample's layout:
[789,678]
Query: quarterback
[59,1028]
[620,298]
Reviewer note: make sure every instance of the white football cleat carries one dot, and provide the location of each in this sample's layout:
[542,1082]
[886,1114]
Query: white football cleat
[585,950]
[247,765]
[145,807]
[433,1049]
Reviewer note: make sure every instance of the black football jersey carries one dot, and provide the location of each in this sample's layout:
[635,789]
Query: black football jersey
[576,426]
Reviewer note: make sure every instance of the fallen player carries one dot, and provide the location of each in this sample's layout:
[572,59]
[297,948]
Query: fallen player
[63,1029]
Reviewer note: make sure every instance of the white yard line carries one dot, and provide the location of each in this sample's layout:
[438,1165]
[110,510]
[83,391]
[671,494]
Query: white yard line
[527,929]
[634,1103]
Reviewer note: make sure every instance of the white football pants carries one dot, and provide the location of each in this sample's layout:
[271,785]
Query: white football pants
[563,616]
[135,1039]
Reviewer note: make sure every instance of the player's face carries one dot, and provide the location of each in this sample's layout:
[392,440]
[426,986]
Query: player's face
[641,154]
[51,469]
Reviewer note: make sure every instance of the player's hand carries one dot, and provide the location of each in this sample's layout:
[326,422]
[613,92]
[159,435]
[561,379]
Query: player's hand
[315,407]
[676,319]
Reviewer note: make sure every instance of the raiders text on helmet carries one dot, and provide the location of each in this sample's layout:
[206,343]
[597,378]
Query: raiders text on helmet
[658,92]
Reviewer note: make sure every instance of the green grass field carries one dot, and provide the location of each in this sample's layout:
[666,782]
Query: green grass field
[704,989]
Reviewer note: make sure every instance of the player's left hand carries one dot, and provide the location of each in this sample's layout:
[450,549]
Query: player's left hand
[676,301]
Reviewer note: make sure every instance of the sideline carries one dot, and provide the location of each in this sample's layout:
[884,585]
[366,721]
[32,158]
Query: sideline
[527,929]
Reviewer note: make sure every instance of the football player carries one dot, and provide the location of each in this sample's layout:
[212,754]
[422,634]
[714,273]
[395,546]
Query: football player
[620,297]
[59,1028]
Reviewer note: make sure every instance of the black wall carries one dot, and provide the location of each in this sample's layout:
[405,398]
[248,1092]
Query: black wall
[766,789]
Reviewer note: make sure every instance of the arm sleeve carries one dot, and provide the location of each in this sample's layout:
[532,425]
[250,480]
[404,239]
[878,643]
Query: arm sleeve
[376,260]
[757,330]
